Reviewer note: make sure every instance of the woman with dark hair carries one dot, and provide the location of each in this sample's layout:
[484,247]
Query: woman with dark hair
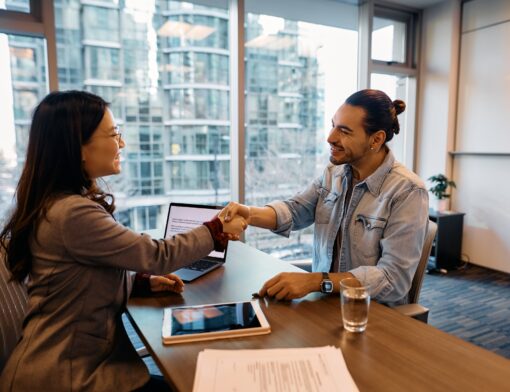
[370,212]
[63,241]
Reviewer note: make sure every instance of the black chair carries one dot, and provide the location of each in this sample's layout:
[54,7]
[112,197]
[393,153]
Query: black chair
[12,311]
[413,308]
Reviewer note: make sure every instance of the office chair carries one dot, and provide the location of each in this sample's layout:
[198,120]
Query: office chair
[12,311]
[413,308]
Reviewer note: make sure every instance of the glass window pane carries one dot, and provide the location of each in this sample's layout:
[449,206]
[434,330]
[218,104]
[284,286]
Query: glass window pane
[100,23]
[297,75]
[164,67]
[15,5]
[389,40]
[404,88]
[23,84]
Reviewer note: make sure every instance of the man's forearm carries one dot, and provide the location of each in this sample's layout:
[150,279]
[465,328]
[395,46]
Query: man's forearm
[264,217]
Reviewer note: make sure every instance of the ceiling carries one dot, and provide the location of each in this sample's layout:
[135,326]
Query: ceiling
[416,3]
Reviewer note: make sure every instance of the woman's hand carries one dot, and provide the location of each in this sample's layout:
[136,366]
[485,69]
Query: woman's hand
[235,226]
[169,282]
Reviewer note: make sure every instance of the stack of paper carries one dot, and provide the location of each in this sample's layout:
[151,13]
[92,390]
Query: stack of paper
[317,369]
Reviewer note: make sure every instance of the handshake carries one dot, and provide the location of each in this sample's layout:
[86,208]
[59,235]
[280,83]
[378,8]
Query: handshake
[235,218]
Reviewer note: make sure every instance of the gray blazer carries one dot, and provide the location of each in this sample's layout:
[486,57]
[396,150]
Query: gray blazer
[73,337]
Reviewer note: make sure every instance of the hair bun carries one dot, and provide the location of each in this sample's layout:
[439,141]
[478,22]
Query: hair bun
[399,105]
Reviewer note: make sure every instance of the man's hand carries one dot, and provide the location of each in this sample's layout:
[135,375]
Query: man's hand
[234,209]
[169,282]
[291,285]
[235,226]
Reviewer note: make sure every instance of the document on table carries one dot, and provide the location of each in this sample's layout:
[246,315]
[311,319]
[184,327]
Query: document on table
[316,369]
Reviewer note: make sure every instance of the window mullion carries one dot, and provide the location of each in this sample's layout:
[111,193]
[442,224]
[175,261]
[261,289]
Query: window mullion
[237,131]
[48,20]
[366,13]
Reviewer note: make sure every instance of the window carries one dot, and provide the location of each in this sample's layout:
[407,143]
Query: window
[23,85]
[389,40]
[165,68]
[100,24]
[393,71]
[102,63]
[297,74]
[393,36]
[159,64]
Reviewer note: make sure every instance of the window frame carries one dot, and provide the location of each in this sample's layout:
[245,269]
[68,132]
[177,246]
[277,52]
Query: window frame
[40,23]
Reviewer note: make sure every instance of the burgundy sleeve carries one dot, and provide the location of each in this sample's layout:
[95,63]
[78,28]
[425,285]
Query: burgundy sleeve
[220,239]
[141,285]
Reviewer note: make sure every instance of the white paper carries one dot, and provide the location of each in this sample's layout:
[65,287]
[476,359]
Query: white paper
[318,369]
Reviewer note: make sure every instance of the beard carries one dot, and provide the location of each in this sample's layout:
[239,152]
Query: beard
[337,162]
[351,157]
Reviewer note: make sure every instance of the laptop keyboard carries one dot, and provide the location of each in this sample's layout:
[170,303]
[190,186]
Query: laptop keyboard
[201,265]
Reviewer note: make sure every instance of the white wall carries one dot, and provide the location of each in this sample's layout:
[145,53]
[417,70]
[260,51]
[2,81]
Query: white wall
[483,126]
[437,88]
[464,105]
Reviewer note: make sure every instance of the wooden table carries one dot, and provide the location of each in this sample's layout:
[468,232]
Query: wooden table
[395,353]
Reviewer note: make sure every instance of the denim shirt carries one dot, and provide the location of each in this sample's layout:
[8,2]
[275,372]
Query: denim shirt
[384,231]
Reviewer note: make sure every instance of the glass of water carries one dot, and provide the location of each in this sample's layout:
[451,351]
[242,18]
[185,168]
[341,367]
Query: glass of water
[355,300]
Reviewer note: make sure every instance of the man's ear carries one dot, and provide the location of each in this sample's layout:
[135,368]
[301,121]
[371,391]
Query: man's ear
[378,140]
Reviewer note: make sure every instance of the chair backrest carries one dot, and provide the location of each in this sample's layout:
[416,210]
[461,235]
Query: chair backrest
[414,292]
[13,306]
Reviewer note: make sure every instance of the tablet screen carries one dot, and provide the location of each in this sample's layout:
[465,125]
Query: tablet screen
[212,318]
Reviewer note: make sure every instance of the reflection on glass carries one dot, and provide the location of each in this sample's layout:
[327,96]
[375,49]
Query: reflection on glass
[297,75]
[23,85]
[389,40]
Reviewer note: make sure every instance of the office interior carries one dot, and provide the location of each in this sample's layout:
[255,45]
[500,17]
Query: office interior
[224,100]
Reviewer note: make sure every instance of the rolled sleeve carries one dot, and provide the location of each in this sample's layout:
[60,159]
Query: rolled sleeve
[375,279]
[283,218]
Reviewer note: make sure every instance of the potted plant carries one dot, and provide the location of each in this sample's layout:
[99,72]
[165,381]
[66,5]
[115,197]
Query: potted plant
[440,184]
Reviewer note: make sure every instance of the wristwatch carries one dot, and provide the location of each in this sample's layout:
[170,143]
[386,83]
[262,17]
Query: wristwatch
[326,284]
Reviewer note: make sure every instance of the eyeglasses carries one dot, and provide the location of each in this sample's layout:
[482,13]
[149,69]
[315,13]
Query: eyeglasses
[118,133]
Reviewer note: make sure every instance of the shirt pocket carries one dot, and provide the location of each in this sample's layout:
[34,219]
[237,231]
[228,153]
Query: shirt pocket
[368,232]
[325,206]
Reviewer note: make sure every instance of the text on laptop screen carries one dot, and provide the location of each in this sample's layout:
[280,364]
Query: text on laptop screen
[184,218]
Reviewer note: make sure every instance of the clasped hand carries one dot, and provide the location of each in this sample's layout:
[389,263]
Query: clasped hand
[235,219]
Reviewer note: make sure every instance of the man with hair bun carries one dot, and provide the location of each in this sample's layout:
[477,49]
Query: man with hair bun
[370,212]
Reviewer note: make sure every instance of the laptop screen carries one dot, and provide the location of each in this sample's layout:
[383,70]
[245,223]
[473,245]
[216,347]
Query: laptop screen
[184,217]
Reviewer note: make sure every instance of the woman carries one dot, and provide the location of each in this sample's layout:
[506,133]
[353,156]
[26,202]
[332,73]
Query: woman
[63,239]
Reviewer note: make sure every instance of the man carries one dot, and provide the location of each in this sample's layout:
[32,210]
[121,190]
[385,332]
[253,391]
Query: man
[370,212]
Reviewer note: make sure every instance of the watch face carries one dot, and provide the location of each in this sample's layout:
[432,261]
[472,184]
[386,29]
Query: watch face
[327,286]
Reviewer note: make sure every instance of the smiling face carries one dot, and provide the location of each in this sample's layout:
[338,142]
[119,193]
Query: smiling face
[349,143]
[101,154]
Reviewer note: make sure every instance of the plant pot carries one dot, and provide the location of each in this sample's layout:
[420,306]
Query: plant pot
[439,205]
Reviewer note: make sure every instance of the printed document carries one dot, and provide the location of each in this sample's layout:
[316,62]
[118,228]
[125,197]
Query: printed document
[316,369]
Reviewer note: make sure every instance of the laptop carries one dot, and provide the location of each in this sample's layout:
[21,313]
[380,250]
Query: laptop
[183,217]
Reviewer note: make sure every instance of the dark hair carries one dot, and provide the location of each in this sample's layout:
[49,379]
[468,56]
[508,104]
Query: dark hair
[381,112]
[61,124]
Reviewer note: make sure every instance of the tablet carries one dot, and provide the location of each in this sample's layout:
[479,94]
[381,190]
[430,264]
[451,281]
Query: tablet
[215,321]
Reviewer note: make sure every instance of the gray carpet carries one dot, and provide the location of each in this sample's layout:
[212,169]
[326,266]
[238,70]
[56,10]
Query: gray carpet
[472,303]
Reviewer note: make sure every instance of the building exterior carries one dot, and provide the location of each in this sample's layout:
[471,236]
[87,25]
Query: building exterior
[165,69]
